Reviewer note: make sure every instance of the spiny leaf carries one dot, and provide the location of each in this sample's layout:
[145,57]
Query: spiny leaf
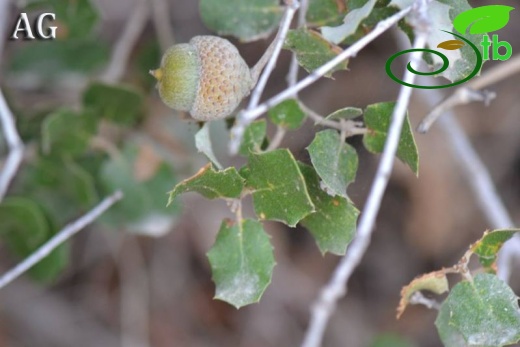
[278,187]
[242,262]
[211,184]
[335,161]
[333,225]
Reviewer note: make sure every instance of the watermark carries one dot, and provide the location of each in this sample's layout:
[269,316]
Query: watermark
[478,21]
[43,32]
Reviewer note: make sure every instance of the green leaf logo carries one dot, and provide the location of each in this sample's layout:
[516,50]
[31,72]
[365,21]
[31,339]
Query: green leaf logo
[482,20]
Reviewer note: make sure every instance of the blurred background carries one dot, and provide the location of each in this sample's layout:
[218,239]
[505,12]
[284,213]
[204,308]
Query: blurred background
[140,277]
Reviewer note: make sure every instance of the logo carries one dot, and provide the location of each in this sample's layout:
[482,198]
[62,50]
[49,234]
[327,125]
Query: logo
[24,25]
[478,21]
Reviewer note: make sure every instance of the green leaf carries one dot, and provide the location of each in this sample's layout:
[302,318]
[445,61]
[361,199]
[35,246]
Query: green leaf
[333,225]
[247,20]
[242,262]
[51,59]
[68,132]
[117,103]
[435,282]
[211,184]
[490,244]
[254,137]
[287,114]
[345,113]
[483,19]
[377,120]
[350,24]
[278,187]
[312,50]
[335,161]
[484,312]
[25,227]
[77,18]
[203,144]
[325,12]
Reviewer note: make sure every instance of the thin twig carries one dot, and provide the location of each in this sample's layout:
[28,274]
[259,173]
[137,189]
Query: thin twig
[121,53]
[14,143]
[246,117]
[162,23]
[469,92]
[58,239]
[291,8]
[336,287]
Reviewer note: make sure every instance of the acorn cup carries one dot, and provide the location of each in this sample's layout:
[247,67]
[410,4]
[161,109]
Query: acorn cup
[206,77]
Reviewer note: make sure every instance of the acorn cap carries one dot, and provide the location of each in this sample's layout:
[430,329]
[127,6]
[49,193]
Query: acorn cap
[206,77]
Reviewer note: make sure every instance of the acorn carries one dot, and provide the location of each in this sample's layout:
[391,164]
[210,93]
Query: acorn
[206,77]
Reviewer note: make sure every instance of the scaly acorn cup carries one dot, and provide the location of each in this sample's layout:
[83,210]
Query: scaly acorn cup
[206,77]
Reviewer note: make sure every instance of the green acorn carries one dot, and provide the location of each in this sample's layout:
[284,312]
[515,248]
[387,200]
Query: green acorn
[206,77]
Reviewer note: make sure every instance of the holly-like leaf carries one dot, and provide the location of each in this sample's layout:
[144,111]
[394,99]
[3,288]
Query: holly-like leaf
[333,225]
[203,144]
[287,114]
[312,50]
[247,20]
[278,187]
[484,312]
[242,262]
[211,184]
[326,12]
[345,113]
[377,120]
[68,132]
[25,227]
[117,103]
[254,137]
[335,161]
[489,245]
[350,24]
[435,282]
[482,19]
[451,45]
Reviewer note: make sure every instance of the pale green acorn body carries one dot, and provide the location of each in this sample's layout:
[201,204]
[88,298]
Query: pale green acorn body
[206,77]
